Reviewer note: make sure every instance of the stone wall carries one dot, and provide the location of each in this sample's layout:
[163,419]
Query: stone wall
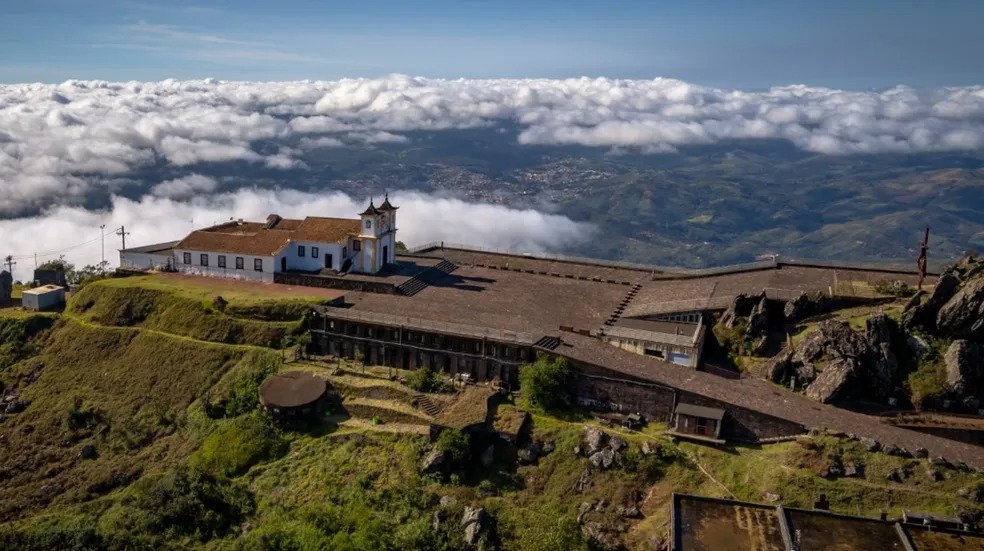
[307,280]
[601,389]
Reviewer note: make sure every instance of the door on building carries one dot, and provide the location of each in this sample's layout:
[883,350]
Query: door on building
[386,256]
[283,264]
[328,261]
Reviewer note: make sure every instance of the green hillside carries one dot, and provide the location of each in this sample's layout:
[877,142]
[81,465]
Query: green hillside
[141,431]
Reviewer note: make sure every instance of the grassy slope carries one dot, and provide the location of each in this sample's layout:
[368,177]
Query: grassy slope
[136,393]
[110,303]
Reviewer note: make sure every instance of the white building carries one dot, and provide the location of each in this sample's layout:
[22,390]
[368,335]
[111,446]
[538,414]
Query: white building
[149,257]
[43,298]
[258,250]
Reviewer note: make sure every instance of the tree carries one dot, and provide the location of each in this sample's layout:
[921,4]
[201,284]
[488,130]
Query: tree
[360,357]
[545,383]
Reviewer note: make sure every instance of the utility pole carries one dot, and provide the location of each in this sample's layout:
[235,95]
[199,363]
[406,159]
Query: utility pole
[123,233]
[921,261]
[102,237]
[9,261]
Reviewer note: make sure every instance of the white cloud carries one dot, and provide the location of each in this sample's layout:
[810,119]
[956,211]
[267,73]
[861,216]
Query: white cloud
[188,186]
[60,141]
[74,231]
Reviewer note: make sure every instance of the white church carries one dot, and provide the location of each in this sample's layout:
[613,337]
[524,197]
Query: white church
[257,250]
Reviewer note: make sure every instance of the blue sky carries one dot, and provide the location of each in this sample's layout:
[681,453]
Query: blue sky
[750,44]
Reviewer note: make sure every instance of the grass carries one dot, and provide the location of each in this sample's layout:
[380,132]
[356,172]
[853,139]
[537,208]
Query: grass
[204,289]
[108,303]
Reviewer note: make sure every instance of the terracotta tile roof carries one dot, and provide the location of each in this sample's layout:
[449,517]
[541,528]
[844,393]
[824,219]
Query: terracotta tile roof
[254,238]
[326,230]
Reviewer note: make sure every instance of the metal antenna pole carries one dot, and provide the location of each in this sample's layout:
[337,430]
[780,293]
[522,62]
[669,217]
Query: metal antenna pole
[102,237]
[9,261]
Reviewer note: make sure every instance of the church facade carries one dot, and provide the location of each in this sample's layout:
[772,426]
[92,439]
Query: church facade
[315,245]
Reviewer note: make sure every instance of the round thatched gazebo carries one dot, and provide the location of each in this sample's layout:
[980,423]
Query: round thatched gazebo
[293,394]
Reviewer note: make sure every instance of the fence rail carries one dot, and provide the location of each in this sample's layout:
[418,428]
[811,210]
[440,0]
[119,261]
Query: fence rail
[419,324]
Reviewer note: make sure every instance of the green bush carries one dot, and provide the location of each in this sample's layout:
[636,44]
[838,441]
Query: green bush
[425,379]
[242,395]
[236,446]
[455,444]
[545,383]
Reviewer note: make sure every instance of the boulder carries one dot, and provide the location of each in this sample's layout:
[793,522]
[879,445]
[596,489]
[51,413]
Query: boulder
[853,470]
[831,339]
[603,460]
[600,538]
[594,439]
[920,453]
[583,509]
[883,366]
[434,461]
[925,313]
[895,475]
[934,474]
[583,482]
[650,448]
[963,315]
[780,367]
[758,319]
[472,520]
[617,444]
[964,361]
[833,382]
[870,444]
[771,497]
[548,447]
[628,511]
[448,501]
[741,306]
[528,454]
[806,305]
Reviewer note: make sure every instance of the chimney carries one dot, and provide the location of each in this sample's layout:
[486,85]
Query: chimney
[821,503]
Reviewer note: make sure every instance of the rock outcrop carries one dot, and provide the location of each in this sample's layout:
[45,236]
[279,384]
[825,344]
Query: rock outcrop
[964,362]
[963,315]
[923,315]
[835,362]
[741,307]
[806,305]
[883,367]
[473,520]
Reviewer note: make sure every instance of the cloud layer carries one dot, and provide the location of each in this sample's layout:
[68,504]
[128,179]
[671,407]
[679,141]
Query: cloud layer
[58,142]
[75,232]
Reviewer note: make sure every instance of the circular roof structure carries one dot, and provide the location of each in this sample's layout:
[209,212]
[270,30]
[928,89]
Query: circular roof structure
[292,389]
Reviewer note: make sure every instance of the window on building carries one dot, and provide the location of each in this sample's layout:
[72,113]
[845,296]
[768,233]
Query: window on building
[187,258]
[368,224]
[344,252]
[222,261]
[258,264]
[204,259]
[356,245]
[314,252]
[239,263]
[300,251]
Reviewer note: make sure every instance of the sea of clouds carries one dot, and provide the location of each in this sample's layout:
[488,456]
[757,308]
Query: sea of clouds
[60,142]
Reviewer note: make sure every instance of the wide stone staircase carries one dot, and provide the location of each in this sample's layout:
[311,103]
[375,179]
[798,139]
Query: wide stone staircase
[623,304]
[425,404]
[429,276]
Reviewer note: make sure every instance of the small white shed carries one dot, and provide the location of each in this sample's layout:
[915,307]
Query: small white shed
[43,298]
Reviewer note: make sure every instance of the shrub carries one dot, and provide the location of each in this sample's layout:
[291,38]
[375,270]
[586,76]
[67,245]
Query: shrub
[238,445]
[425,379]
[455,444]
[219,303]
[892,287]
[545,383]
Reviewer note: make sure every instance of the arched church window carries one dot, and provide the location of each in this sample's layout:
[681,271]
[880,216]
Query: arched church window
[368,224]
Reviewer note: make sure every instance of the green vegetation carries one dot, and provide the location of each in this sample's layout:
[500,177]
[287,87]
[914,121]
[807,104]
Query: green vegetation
[454,443]
[237,445]
[545,383]
[113,305]
[425,379]
[17,337]
[927,381]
